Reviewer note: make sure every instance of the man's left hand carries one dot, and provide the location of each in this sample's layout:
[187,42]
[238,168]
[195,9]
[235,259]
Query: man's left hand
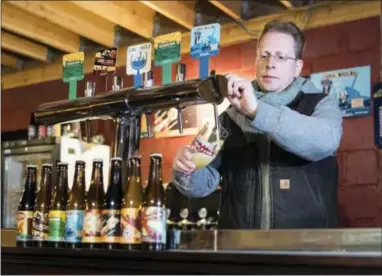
[241,95]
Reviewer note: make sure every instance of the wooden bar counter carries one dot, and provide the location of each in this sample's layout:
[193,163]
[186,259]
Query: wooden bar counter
[339,251]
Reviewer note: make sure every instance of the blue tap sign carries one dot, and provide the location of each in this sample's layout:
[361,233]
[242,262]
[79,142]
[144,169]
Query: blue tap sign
[205,42]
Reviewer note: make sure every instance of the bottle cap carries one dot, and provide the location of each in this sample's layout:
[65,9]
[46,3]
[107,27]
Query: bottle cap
[47,165]
[116,159]
[62,164]
[80,162]
[97,160]
[156,154]
[31,166]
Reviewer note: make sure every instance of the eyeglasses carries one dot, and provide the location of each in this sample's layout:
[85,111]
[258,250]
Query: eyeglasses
[278,57]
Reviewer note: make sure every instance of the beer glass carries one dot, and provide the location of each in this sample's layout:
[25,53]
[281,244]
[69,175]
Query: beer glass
[205,147]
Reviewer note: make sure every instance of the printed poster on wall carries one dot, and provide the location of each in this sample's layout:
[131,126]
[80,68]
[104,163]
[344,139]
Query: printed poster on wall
[378,114]
[351,87]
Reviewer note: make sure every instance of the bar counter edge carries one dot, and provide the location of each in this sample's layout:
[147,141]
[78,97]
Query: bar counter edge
[99,261]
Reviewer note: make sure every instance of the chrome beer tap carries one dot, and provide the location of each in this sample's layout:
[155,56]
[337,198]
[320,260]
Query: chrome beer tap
[180,76]
[126,105]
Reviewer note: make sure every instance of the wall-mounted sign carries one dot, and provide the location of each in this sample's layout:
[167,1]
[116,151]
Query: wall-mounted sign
[351,87]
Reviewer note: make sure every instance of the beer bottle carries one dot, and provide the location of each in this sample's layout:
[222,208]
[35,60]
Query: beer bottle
[131,206]
[111,216]
[57,212]
[25,209]
[153,215]
[75,208]
[40,224]
[54,181]
[91,235]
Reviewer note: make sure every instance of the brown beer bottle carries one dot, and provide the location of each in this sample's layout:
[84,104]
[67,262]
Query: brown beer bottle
[153,214]
[57,212]
[25,209]
[111,215]
[131,207]
[75,208]
[40,224]
[91,236]
[54,181]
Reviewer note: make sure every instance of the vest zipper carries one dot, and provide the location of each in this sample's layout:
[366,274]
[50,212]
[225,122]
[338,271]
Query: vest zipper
[251,207]
[266,190]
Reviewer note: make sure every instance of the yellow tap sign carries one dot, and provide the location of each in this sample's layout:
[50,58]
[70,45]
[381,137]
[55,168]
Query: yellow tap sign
[73,67]
[167,48]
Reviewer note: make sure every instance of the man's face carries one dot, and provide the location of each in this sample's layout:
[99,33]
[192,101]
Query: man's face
[276,64]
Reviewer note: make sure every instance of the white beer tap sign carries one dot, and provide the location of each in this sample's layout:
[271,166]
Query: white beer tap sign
[138,59]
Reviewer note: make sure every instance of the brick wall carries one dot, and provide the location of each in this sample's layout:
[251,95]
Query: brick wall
[340,46]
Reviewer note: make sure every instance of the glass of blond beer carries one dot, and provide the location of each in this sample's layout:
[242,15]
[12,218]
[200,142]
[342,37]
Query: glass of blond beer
[205,146]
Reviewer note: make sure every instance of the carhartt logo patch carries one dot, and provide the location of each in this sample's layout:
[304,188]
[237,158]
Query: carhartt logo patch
[284,184]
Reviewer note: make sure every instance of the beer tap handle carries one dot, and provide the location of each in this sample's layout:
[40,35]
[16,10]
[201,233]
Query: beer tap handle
[202,222]
[89,92]
[117,83]
[180,119]
[88,131]
[148,125]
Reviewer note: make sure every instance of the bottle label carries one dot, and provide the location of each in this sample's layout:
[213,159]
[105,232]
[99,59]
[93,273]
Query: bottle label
[130,226]
[57,225]
[40,226]
[74,226]
[111,227]
[92,226]
[24,225]
[153,225]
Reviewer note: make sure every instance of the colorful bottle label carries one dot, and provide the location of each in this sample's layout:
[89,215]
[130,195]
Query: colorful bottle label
[111,226]
[24,225]
[57,221]
[130,226]
[153,225]
[92,226]
[40,226]
[74,226]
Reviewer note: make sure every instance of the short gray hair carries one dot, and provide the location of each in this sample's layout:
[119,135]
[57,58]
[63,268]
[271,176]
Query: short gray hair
[287,27]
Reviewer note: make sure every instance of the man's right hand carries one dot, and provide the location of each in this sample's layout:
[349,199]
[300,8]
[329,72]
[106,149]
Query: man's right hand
[182,161]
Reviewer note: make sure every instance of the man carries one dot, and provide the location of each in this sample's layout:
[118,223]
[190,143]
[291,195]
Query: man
[277,167]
